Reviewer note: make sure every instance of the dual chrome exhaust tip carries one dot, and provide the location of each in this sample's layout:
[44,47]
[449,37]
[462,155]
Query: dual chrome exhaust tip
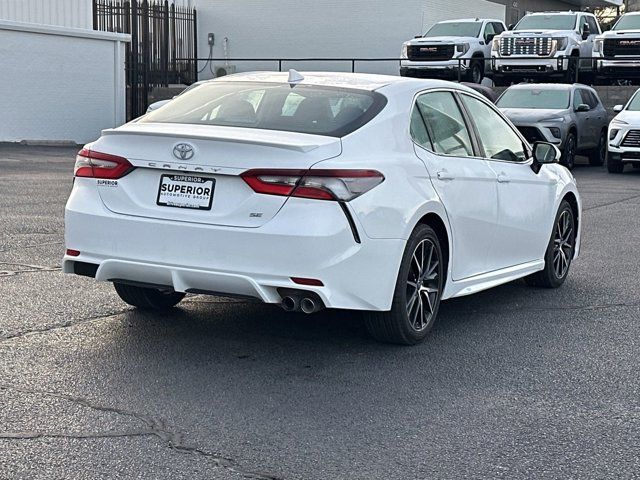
[301,303]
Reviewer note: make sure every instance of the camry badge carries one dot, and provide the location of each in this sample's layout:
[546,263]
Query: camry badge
[183,151]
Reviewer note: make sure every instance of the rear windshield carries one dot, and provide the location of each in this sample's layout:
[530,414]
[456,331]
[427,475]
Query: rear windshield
[628,22]
[547,22]
[455,29]
[521,98]
[311,109]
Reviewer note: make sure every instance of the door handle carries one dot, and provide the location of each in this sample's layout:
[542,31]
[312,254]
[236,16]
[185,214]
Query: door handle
[444,175]
[503,178]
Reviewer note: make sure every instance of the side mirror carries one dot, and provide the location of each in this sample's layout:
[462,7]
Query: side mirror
[586,31]
[489,37]
[512,26]
[618,108]
[583,107]
[418,36]
[543,154]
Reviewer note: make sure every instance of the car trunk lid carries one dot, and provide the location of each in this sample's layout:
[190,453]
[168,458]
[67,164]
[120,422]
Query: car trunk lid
[215,157]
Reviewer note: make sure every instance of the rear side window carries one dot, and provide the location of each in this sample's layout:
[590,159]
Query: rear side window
[444,123]
[310,109]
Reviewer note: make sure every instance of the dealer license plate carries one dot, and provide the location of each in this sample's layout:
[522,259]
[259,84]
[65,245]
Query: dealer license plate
[186,191]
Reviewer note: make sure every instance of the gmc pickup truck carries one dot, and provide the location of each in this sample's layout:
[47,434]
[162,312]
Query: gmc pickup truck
[545,45]
[619,50]
[451,49]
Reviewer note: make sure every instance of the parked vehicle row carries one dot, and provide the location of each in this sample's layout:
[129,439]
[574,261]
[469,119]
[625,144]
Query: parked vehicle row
[553,46]
[573,118]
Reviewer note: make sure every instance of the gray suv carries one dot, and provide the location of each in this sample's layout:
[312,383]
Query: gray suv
[570,116]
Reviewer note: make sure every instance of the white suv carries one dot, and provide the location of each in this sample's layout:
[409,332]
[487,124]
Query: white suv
[619,49]
[545,44]
[624,136]
[451,49]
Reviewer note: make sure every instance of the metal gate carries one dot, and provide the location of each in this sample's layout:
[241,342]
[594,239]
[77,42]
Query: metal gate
[163,48]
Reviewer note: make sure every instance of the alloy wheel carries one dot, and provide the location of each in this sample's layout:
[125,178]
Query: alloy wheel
[423,285]
[563,244]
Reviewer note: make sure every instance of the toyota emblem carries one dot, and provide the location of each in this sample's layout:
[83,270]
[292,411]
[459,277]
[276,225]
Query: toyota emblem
[183,151]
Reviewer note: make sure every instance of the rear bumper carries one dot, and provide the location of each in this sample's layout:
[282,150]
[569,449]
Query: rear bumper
[307,238]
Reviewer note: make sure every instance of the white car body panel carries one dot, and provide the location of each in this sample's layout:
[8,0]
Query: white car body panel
[120,229]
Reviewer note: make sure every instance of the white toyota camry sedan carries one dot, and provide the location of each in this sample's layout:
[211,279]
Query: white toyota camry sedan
[323,190]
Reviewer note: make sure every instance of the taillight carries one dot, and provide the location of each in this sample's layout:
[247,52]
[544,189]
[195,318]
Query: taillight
[343,185]
[94,164]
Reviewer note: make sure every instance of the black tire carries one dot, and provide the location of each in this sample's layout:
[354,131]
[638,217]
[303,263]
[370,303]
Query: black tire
[560,250]
[416,299]
[572,68]
[614,166]
[147,298]
[598,155]
[476,71]
[569,152]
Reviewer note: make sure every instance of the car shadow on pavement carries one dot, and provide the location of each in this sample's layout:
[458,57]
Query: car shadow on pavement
[201,317]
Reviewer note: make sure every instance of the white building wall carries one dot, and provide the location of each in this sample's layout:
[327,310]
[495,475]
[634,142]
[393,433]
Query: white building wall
[328,28]
[63,13]
[59,84]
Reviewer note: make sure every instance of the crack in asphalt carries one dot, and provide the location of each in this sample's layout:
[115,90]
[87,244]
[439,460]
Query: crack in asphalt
[25,268]
[60,326]
[155,427]
[87,435]
[43,244]
[610,203]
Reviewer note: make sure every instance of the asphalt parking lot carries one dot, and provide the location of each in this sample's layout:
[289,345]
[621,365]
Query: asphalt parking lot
[513,383]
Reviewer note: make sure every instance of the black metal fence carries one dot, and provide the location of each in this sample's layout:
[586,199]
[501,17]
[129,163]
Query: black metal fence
[163,44]
[586,69]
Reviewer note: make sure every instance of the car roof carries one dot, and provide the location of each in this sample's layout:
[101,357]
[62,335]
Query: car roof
[475,19]
[548,86]
[358,81]
[557,13]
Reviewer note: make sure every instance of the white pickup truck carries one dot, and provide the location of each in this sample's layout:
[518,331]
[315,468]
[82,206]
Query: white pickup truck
[619,50]
[545,45]
[451,49]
